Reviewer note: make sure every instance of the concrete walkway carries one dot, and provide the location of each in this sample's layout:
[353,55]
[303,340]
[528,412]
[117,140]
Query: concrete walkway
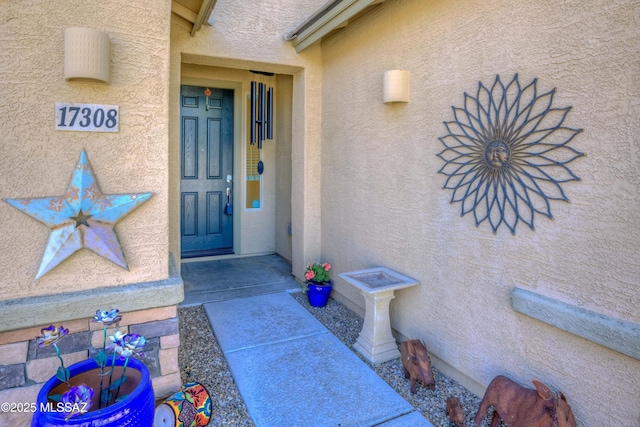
[291,371]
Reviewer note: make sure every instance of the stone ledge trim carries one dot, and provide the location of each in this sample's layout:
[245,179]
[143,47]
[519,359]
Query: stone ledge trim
[616,334]
[22,313]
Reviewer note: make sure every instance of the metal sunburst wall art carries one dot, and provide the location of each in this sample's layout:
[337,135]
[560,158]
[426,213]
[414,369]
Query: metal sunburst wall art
[506,154]
[82,217]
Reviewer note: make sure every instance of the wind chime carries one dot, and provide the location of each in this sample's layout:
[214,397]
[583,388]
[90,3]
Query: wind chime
[261,111]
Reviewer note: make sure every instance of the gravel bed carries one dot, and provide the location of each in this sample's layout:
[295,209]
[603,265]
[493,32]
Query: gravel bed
[201,360]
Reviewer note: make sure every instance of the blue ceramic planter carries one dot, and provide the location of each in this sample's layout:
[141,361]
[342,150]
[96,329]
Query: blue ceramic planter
[319,293]
[137,410]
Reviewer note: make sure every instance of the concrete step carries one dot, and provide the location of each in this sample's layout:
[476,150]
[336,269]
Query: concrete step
[206,296]
[230,278]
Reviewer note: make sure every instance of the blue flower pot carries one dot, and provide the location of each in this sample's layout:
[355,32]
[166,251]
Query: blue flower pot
[137,410]
[318,293]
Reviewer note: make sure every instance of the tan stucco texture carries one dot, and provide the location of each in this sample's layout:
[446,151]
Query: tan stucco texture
[37,160]
[364,184]
[383,203]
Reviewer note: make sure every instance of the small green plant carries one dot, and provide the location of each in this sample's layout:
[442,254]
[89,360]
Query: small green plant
[317,272]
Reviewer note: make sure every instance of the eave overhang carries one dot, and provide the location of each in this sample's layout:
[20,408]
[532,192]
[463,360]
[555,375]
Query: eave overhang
[333,15]
[192,14]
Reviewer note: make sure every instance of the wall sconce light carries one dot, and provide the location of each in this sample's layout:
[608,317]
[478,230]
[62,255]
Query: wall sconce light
[395,86]
[87,55]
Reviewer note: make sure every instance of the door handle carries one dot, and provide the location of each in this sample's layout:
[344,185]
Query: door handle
[228,209]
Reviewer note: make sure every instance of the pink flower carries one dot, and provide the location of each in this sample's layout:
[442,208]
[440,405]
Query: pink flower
[317,272]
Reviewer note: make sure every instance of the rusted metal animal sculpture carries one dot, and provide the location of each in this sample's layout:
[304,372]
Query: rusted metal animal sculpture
[524,407]
[417,365]
[454,411]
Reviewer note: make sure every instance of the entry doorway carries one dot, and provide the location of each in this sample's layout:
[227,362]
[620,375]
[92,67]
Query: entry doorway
[206,171]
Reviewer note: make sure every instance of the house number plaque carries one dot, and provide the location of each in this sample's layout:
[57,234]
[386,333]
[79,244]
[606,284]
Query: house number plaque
[87,117]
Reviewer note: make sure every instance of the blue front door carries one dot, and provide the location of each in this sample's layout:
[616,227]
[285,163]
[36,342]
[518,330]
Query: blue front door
[206,171]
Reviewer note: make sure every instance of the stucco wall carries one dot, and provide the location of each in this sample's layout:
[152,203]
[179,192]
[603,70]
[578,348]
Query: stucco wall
[383,202]
[283,160]
[37,160]
[245,36]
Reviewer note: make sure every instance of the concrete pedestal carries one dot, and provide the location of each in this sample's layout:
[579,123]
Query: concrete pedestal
[375,342]
[378,285]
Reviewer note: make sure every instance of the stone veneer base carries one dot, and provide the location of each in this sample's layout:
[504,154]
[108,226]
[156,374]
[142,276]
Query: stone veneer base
[150,309]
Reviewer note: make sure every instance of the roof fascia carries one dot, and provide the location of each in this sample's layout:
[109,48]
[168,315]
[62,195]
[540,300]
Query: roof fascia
[203,15]
[333,15]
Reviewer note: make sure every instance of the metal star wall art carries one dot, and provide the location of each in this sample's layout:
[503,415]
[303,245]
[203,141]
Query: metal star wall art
[81,218]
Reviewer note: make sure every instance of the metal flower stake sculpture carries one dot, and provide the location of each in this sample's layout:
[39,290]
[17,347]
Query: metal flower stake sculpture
[51,336]
[506,154]
[81,218]
[125,345]
[106,318]
[78,399]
